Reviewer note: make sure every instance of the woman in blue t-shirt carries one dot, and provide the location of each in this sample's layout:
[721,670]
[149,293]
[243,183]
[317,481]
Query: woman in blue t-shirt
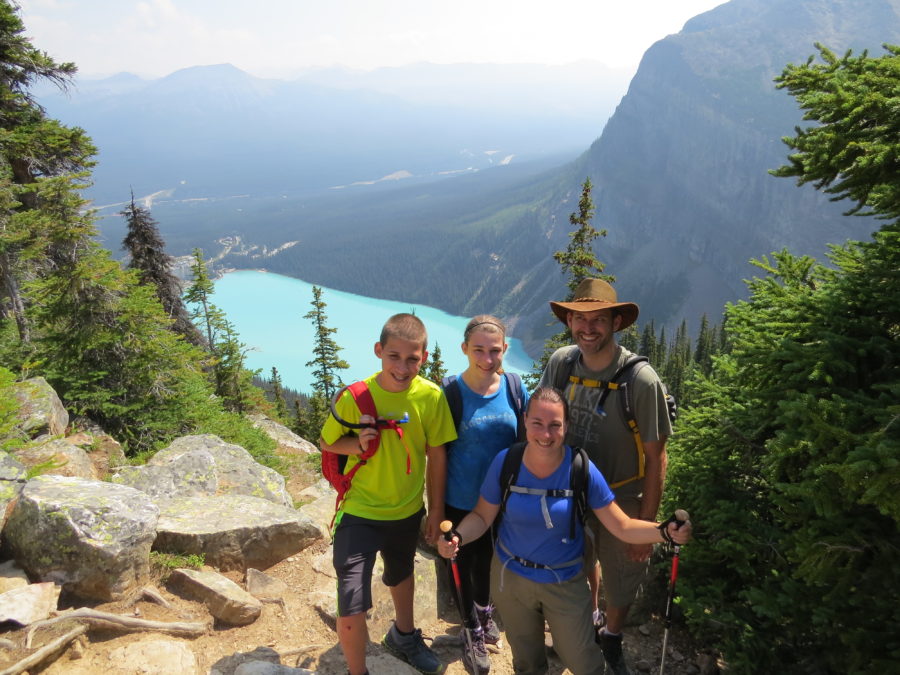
[537,574]
[487,412]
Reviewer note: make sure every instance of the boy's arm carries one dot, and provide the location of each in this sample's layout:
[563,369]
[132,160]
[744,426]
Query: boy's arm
[436,486]
[352,444]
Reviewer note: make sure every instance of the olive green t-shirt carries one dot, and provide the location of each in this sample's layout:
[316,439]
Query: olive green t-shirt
[607,439]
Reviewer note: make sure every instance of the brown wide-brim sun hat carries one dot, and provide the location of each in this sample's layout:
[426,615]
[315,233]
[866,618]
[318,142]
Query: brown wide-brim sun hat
[594,294]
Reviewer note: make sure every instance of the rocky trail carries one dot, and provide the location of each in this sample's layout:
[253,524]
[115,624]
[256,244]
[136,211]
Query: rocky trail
[296,628]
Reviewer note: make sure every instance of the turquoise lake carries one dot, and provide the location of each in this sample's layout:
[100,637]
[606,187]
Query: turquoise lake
[267,311]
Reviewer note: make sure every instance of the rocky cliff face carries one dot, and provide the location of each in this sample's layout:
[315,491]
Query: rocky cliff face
[681,169]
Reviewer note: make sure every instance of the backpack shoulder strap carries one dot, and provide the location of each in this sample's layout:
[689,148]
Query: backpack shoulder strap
[366,404]
[579,478]
[509,473]
[454,398]
[565,369]
[621,380]
[625,377]
[517,399]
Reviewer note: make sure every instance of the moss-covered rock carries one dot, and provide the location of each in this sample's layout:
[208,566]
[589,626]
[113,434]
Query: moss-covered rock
[93,538]
[41,410]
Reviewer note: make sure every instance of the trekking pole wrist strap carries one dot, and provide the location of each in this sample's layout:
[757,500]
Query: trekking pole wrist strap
[663,528]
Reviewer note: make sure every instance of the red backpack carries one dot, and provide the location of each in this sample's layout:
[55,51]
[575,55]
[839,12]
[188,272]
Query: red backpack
[333,464]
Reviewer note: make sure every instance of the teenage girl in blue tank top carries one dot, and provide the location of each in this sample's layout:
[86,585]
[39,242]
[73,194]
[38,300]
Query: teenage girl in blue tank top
[488,424]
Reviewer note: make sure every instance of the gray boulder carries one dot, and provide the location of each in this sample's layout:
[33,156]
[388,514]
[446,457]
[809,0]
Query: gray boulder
[28,604]
[12,576]
[153,656]
[13,476]
[59,458]
[90,537]
[288,442]
[233,532]
[104,451]
[189,475]
[225,600]
[41,411]
[234,469]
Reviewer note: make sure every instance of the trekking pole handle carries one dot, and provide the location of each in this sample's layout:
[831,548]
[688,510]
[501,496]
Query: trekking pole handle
[681,517]
[447,528]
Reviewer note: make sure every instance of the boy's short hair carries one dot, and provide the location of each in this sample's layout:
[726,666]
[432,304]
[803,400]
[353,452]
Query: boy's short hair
[406,327]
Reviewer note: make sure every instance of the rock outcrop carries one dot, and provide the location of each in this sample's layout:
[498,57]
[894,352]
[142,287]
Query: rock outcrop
[70,532]
[91,538]
[208,465]
[224,599]
[58,457]
[233,531]
[288,442]
[40,412]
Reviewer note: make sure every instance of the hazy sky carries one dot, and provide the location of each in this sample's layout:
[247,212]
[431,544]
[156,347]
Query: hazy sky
[278,38]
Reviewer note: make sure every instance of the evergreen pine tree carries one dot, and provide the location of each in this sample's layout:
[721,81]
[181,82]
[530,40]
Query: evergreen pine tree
[198,295]
[33,147]
[579,262]
[148,256]
[649,346]
[231,379]
[630,339]
[705,348]
[325,363]
[281,411]
[661,353]
[302,425]
[435,371]
[790,450]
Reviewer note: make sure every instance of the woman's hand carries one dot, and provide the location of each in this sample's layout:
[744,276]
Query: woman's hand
[448,542]
[448,549]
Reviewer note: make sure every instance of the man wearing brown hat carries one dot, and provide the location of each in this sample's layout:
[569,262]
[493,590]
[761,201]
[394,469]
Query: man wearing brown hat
[634,470]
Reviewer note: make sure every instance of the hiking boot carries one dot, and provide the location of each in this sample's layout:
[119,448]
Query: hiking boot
[476,659]
[612,651]
[412,650]
[486,619]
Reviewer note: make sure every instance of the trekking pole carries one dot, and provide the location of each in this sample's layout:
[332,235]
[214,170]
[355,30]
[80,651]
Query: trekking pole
[681,517]
[447,529]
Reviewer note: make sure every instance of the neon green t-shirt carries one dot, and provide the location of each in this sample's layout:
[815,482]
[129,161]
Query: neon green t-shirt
[382,489]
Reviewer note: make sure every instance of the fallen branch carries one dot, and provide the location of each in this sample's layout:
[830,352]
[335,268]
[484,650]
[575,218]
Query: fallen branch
[54,647]
[120,622]
[155,596]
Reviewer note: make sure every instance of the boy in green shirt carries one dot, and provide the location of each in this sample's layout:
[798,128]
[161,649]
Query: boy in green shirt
[383,509]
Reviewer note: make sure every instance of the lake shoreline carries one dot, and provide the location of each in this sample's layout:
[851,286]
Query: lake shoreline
[267,308]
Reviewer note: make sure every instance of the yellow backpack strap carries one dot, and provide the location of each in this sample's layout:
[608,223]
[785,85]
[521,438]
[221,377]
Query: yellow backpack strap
[629,369]
[639,448]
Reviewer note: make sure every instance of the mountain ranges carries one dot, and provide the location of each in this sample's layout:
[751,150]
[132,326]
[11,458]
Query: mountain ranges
[461,207]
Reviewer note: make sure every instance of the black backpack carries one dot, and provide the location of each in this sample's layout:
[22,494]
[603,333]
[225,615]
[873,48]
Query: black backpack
[622,381]
[514,393]
[579,475]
